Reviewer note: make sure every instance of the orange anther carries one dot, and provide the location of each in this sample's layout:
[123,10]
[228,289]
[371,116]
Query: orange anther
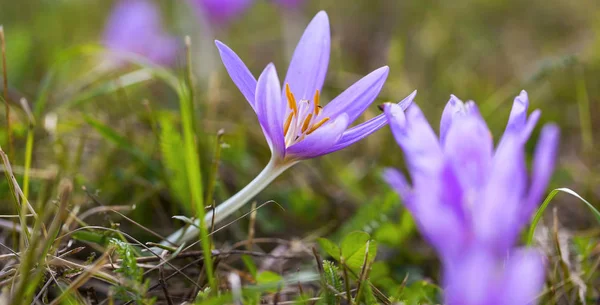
[317,125]
[288,121]
[306,122]
[291,99]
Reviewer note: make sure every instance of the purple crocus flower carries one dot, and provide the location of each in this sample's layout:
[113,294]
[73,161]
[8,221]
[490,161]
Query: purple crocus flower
[221,11]
[469,200]
[135,26]
[294,122]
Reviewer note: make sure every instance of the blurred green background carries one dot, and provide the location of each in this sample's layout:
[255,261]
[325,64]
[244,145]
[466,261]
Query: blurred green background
[482,50]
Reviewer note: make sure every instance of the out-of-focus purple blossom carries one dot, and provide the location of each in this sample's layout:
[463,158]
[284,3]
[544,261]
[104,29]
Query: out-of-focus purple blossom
[290,4]
[471,200]
[294,123]
[135,26]
[482,278]
[221,11]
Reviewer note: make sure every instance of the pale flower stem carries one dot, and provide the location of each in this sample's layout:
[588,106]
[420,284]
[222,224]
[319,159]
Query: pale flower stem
[273,169]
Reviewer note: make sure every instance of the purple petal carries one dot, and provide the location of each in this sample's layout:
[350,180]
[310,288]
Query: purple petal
[135,26]
[308,67]
[398,182]
[454,106]
[470,280]
[425,208]
[318,142]
[435,203]
[530,125]
[497,213]
[415,136]
[523,278]
[517,121]
[543,166]
[354,100]
[469,148]
[518,113]
[239,73]
[365,129]
[271,109]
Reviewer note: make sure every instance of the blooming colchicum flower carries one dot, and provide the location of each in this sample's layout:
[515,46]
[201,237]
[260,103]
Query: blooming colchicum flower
[295,124]
[471,201]
[135,26]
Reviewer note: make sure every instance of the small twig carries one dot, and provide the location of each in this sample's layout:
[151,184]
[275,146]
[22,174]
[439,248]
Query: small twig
[346,280]
[82,279]
[101,209]
[363,273]
[251,225]
[233,221]
[39,295]
[72,251]
[319,262]
[214,169]
[276,297]
[162,282]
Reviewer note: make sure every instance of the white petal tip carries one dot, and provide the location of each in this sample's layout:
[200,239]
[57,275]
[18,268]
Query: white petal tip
[322,14]
[522,98]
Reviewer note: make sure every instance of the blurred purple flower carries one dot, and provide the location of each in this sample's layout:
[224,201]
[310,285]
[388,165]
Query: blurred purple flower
[481,278]
[221,11]
[294,123]
[470,201]
[135,26]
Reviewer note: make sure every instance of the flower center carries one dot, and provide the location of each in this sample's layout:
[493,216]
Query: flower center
[302,119]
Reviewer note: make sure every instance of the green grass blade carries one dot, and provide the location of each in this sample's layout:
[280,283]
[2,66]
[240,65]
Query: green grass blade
[540,211]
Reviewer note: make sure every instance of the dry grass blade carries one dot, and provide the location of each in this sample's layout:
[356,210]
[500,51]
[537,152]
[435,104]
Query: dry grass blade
[89,271]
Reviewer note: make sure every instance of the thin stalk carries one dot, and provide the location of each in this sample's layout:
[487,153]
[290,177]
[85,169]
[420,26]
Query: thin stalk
[5,84]
[268,174]
[192,157]
[214,169]
[28,147]
[25,234]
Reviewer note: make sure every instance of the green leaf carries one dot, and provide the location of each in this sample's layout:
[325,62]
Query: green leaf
[332,249]
[91,237]
[250,265]
[270,280]
[354,247]
[268,277]
[353,242]
[367,294]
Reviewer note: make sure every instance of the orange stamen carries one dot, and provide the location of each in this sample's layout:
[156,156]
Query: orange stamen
[288,121]
[291,99]
[317,125]
[316,101]
[306,122]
